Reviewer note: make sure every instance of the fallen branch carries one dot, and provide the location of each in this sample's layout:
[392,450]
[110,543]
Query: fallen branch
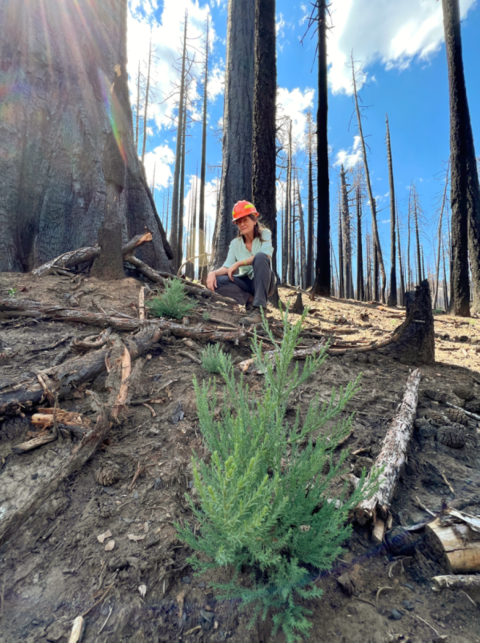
[80,454]
[39,441]
[470,581]
[126,370]
[391,459]
[87,255]
[25,393]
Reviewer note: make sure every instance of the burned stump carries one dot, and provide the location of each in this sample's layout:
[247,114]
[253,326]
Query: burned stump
[415,339]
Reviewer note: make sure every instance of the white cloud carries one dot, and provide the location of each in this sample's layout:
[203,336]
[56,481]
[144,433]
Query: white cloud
[388,31]
[350,158]
[167,37]
[296,104]
[216,82]
[160,159]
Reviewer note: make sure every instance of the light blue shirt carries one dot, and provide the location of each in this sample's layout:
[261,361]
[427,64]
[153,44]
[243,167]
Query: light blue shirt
[238,251]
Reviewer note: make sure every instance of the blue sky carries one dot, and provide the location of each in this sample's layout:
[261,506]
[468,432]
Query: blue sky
[401,48]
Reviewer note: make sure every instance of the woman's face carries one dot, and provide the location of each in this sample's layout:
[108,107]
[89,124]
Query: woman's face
[246,225]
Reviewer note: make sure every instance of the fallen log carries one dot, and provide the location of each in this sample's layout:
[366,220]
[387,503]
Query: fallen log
[80,454]
[123,323]
[470,581]
[392,457]
[24,393]
[458,535]
[87,255]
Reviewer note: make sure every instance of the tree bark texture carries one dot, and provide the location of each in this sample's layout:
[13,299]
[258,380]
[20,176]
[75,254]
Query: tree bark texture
[416,336]
[66,130]
[236,181]
[465,190]
[392,295]
[203,263]
[323,268]
[264,115]
[310,228]
[392,458]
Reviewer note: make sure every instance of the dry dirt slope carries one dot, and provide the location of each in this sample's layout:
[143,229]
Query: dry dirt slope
[55,568]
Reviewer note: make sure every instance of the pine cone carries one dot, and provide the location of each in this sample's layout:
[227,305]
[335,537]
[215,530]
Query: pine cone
[451,437]
[464,391]
[106,476]
[457,416]
[432,394]
[473,406]
[424,428]
[399,541]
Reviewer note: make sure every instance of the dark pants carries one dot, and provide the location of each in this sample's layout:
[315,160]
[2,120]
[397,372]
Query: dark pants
[241,288]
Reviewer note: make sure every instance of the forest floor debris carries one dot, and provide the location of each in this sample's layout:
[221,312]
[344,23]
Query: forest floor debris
[54,568]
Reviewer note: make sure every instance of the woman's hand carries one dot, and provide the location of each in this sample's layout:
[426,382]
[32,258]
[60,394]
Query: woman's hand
[211,281]
[233,269]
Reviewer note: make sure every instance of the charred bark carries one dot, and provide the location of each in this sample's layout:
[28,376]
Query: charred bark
[52,175]
[323,268]
[392,295]
[236,181]
[264,115]
[465,189]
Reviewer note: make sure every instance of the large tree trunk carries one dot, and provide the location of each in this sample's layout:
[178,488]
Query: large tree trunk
[264,114]
[323,268]
[392,295]
[54,137]
[465,190]
[310,262]
[236,182]
[203,168]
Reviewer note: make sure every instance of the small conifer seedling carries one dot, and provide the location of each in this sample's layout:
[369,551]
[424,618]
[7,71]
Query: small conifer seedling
[174,301]
[265,500]
[214,359]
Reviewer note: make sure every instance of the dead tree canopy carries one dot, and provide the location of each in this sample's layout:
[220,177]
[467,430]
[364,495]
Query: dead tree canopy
[66,133]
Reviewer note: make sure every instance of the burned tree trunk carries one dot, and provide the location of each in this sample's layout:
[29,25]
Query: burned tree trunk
[264,114]
[54,137]
[360,280]
[236,182]
[415,343]
[392,295]
[465,189]
[322,261]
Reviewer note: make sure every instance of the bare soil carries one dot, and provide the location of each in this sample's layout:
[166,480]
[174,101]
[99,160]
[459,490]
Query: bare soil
[143,589]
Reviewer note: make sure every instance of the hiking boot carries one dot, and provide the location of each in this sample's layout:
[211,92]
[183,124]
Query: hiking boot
[249,306]
[255,317]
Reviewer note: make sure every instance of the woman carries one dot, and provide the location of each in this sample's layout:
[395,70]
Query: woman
[246,275]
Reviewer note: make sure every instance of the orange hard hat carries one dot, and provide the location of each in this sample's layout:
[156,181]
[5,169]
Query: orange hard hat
[243,209]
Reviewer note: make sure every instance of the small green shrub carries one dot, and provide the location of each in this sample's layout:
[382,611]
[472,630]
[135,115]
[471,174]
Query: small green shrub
[214,360]
[12,292]
[264,503]
[206,315]
[174,302]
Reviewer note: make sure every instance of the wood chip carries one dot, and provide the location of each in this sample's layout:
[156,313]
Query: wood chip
[135,538]
[102,537]
[110,545]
